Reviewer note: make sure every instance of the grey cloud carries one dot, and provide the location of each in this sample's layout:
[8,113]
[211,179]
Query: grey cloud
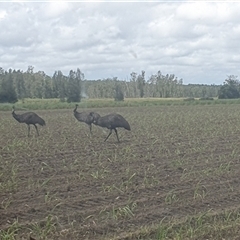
[196,41]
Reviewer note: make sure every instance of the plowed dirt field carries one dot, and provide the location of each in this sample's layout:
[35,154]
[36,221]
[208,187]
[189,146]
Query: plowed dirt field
[177,163]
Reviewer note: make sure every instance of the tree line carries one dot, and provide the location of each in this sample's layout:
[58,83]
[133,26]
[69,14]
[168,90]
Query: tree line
[18,85]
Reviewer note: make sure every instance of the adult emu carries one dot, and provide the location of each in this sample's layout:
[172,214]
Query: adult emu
[29,118]
[111,121]
[85,117]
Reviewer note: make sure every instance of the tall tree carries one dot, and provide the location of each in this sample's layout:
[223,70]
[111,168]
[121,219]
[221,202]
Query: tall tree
[74,86]
[230,89]
[141,83]
[48,87]
[38,86]
[29,79]
[7,92]
[59,82]
[20,85]
[119,95]
[133,82]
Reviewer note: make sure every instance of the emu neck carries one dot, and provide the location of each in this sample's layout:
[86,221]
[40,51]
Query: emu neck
[75,109]
[17,117]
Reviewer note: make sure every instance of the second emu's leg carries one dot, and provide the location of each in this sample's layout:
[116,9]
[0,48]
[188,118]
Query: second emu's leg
[90,127]
[108,135]
[36,129]
[28,130]
[116,134]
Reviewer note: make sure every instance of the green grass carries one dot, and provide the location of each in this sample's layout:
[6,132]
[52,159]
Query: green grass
[206,225]
[33,104]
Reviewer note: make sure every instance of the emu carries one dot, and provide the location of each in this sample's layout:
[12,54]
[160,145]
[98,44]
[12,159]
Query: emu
[29,118]
[111,121]
[85,117]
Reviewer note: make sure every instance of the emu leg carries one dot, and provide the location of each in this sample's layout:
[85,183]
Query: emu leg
[108,135]
[28,130]
[90,127]
[36,129]
[116,134]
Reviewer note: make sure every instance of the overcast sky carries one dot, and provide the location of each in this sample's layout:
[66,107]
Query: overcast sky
[197,41]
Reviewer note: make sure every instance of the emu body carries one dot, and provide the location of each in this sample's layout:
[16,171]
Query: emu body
[85,117]
[29,118]
[111,121]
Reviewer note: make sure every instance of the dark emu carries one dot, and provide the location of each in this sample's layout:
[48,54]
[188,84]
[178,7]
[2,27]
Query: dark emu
[85,117]
[111,121]
[29,118]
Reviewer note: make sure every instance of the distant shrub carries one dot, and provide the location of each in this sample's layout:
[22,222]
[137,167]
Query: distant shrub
[206,98]
[189,99]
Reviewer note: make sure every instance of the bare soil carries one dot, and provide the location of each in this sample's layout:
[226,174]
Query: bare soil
[176,162]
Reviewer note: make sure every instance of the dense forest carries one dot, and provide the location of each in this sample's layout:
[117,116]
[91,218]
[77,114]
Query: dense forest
[18,85]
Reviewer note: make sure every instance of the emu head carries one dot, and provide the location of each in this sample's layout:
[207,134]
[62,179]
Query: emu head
[75,109]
